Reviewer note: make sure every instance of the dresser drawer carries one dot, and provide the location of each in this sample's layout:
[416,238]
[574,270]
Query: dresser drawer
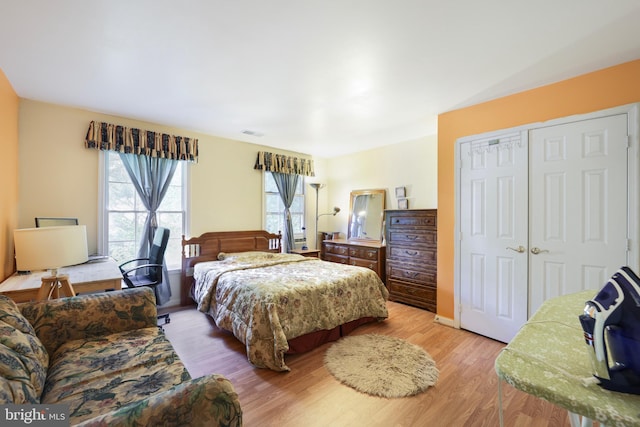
[369,255]
[364,253]
[410,219]
[330,248]
[340,259]
[423,237]
[411,254]
[421,296]
[412,273]
[373,265]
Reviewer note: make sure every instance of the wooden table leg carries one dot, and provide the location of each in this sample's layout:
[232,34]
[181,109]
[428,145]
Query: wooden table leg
[52,285]
[65,286]
[47,288]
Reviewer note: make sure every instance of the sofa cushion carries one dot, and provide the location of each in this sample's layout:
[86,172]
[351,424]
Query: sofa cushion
[23,358]
[97,375]
[66,319]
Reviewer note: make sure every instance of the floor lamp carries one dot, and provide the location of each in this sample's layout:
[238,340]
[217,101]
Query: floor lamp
[49,248]
[317,187]
[335,210]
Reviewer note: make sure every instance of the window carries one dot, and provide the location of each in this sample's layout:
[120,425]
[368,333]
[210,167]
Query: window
[124,214]
[274,208]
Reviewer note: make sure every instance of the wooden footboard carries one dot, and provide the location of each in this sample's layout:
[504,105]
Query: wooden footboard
[207,246]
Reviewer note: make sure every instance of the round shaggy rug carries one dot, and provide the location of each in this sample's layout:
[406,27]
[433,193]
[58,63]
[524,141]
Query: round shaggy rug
[381,365]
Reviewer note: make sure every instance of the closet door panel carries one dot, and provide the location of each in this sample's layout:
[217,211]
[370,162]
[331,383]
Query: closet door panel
[493,257]
[578,206]
[555,208]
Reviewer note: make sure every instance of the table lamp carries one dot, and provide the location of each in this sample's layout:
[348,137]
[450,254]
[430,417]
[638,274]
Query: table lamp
[50,248]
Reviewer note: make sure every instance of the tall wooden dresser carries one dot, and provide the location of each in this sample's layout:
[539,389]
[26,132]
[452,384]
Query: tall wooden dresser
[411,256]
[355,252]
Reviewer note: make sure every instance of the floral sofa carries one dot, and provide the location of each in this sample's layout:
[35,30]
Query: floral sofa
[104,356]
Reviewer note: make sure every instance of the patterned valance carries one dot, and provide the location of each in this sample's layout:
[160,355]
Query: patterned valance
[272,162]
[105,136]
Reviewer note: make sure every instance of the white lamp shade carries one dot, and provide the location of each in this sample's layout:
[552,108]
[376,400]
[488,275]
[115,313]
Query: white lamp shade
[50,247]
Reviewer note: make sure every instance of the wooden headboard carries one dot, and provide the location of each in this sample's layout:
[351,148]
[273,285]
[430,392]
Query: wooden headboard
[207,246]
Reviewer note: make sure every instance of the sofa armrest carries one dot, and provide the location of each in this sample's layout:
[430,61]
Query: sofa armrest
[86,316]
[206,401]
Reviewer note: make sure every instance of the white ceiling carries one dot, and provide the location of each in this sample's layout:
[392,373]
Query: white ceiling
[324,77]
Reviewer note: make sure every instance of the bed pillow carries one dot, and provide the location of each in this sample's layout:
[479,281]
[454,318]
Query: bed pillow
[245,256]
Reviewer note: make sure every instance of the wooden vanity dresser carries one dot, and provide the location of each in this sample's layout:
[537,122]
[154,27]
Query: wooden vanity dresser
[411,256]
[352,252]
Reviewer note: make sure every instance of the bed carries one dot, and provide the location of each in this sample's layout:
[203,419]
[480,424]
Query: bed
[276,303]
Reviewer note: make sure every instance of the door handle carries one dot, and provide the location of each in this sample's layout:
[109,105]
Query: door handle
[520,249]
[537,251]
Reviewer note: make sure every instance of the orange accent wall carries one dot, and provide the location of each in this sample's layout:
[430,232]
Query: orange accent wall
[610,87]
[9,103]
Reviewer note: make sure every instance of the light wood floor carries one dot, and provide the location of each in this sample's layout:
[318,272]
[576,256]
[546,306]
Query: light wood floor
[466,393]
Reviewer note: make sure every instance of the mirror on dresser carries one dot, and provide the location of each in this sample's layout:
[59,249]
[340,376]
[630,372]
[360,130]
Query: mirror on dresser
[366,211]
[363,246]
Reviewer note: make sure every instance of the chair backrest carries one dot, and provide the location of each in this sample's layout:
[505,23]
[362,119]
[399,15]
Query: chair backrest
[156,253]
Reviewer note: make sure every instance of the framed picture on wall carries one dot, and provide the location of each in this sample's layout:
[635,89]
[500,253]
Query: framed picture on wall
[403,203]
[400,192]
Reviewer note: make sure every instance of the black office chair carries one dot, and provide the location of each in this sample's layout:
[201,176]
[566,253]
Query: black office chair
[152,268]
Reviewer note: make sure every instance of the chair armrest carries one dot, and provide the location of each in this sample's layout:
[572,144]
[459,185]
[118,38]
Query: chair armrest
[206,401]
[91,315]
[132,260]
[126,273]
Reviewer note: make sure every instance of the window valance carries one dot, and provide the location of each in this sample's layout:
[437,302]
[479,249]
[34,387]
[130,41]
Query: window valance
[106,136]
[272,162]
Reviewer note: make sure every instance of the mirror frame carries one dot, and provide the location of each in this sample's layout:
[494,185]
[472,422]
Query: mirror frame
[356,193]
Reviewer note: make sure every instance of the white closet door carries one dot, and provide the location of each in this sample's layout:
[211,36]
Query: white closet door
[578,206]
[561,200]
[493,232]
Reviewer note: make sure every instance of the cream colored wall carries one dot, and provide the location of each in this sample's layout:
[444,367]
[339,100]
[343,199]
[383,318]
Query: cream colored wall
[227,191]
[59,177]
[410,164]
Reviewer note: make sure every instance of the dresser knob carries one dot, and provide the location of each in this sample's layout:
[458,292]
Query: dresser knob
[412,253]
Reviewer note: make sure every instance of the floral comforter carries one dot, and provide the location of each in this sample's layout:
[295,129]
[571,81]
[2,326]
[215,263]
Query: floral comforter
[264,299]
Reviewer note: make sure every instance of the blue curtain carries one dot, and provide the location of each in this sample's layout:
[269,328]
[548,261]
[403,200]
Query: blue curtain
[151,177]
[287,184]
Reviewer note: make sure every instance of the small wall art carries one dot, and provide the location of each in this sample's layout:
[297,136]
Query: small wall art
[400,192]
[403,203]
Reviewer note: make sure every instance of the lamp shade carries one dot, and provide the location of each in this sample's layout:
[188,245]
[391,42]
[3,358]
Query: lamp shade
[50,247]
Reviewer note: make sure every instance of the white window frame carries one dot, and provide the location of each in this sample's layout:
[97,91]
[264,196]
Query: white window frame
[103,218]
[298,235]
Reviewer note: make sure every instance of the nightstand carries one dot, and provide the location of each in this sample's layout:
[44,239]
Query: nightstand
[314,253]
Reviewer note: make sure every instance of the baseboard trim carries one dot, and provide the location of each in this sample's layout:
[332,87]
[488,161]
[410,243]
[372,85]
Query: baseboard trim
[444,321]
